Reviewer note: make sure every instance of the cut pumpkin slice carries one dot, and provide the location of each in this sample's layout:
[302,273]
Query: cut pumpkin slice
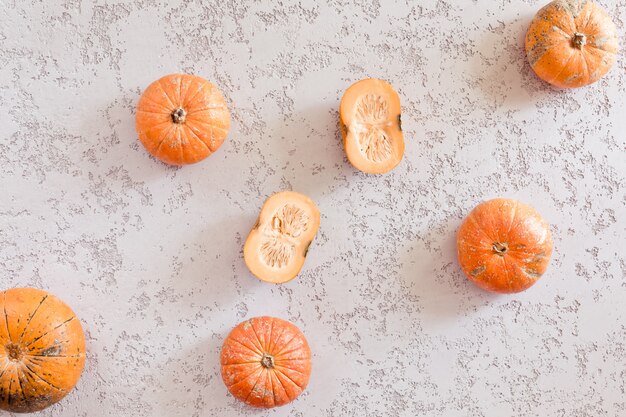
[370,124]
[278,243]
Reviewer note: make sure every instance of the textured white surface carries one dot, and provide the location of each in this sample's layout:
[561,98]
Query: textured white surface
[149,256]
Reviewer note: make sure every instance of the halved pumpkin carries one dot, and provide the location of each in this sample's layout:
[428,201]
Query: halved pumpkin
[370,124]
[278,243]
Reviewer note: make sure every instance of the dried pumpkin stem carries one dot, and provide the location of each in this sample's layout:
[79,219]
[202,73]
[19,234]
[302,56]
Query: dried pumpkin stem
[179,115]
[267,361]
[500,248]
[14,352]
[579,40]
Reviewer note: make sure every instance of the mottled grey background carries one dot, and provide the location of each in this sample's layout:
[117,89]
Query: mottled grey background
[150,257]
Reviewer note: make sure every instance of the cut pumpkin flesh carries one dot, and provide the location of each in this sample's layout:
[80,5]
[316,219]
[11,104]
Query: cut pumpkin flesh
[370,124]
[278,243]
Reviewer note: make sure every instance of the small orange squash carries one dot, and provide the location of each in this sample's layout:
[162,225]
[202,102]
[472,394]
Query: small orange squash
[266,362]
[182,119]
[278,244]
[369,115]
[42,350]
[504,246]
[571,43]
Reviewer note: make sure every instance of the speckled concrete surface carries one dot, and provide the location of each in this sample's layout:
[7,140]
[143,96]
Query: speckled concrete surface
[150,256]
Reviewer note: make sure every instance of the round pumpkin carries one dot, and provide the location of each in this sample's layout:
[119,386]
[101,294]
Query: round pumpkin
[571,43]
[182,119]
[504,246]
[266,362]
[42,350]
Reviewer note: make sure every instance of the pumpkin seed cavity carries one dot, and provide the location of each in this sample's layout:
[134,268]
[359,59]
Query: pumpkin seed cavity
[277,253]
[372,117]
[288,223]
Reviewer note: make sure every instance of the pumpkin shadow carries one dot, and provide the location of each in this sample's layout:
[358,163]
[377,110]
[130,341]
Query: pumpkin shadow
[306,151]
[504,75]
[191,381]
[209,291]
[114,141]
[437,280]
[189,376]
[115,159]
[224,264]
[115,145]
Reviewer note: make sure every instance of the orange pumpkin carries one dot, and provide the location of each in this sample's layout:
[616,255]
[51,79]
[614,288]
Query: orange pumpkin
[42,350]
[182,119]
[571,43]
[279,242]
[369,116]
[504,246]
[266,362]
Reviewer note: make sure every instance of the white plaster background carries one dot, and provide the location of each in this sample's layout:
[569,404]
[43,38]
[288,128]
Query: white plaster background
[149,256]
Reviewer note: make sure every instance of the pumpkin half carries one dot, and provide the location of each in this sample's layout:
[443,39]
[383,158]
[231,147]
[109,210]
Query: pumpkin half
[42,350]
[266,362]
[369,115]
[278,244]
[182,119]
[504,246]
[571,43]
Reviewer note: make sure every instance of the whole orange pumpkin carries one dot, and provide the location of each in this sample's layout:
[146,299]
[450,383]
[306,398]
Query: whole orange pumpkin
[571,43]
[42,350]
[182,119]
[266,362]
[504,246]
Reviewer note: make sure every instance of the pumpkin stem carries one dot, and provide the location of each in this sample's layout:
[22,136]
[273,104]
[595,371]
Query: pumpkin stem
[267,361]
[579,40]
[500,248]
[14,352]
[179,115]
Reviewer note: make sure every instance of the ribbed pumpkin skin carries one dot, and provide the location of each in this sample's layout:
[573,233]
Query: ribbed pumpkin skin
[42,350]
[266,362]
[571,43]
[182,119]
[504,246]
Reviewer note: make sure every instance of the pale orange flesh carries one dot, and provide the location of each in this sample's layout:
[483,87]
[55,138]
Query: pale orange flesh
[277,245]
[370,124]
